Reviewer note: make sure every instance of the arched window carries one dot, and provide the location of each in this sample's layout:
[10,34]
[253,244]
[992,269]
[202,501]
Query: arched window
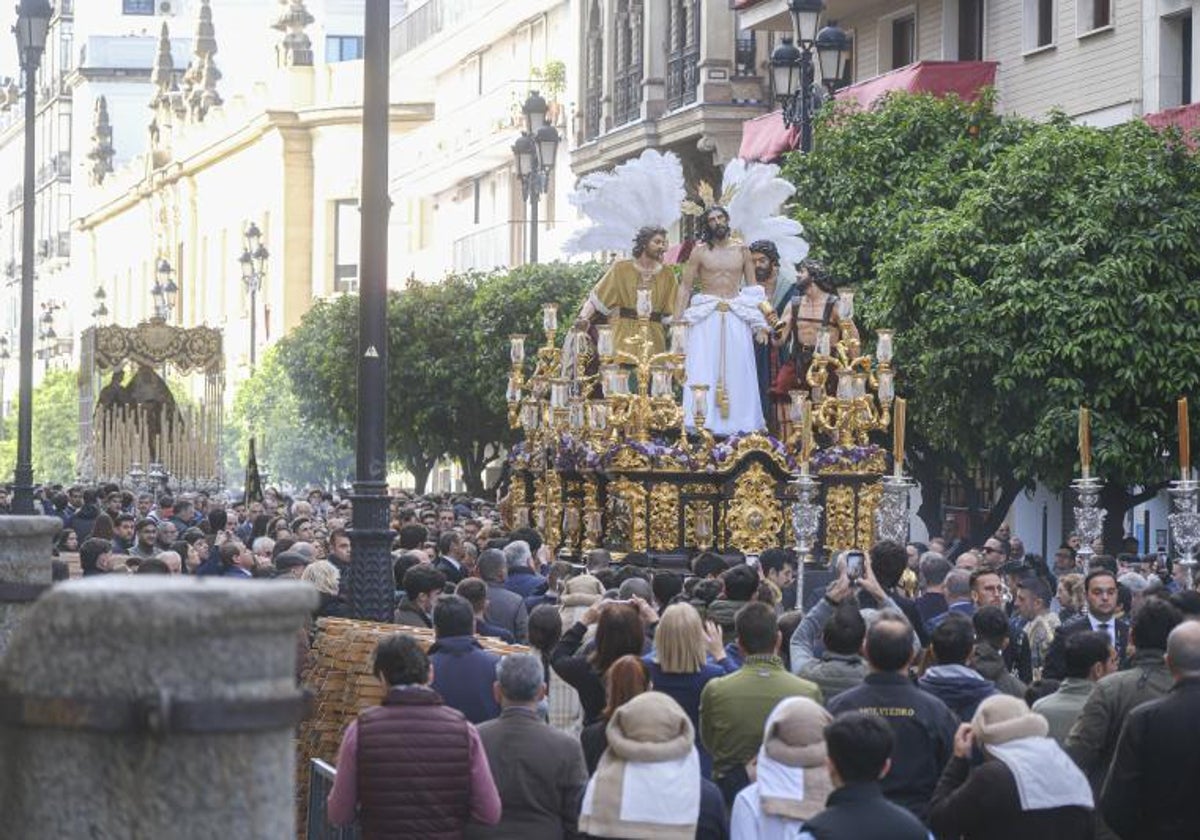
[627,78]
[683,52]
[593,72]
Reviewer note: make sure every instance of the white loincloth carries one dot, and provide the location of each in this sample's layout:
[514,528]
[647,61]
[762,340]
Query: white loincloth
[735,323]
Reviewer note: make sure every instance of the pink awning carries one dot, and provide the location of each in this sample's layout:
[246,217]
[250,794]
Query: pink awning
[766,138]
[1186,118]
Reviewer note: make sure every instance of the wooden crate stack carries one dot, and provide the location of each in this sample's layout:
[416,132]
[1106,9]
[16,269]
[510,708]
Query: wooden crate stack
[339,675]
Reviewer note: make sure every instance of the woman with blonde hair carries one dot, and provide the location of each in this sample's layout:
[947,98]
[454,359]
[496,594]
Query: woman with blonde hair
[325,577]
[687,654]
[1071,597]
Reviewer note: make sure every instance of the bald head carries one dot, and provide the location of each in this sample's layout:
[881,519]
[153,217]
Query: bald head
[1183,650]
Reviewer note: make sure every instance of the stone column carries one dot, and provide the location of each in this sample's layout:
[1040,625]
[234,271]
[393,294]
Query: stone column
[26,543]
[141,707]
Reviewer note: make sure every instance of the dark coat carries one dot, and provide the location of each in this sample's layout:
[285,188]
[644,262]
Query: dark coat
[860,812]
[525,582]
[453,575]
[1055,667]
[577,672]
[463,674]
[507,609]
[1150,792]
[982,803]
[962,692]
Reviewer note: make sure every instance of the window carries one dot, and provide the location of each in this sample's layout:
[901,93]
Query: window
[1092,15]
[1039,23]
[683,52]
[627,81]
[745,52]
[346,231]
[343,48]
[137,7]
[898,40]
[970,30]
[594,75]
[1175,60]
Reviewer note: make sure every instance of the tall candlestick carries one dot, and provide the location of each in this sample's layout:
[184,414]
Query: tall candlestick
[1085,441]
[1185,441]
[898,414]
[805,434]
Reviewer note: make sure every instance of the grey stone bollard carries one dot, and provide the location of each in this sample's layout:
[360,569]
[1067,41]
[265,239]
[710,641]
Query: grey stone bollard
[146,707]
[26,546]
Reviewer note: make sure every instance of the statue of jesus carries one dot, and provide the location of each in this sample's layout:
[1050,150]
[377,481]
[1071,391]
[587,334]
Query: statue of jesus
[725,320]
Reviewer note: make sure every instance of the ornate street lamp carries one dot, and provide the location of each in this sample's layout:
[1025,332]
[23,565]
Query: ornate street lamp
[33,24]
[253,262]
[100,312]
[535,152]
[792,69]
[164,291]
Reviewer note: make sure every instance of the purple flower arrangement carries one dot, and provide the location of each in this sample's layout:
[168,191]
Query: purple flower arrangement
[835,456]
[724,450]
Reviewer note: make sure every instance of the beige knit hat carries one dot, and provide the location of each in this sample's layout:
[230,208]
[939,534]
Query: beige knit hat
[796,735]
[793,781]
[650,727]
[1002,718]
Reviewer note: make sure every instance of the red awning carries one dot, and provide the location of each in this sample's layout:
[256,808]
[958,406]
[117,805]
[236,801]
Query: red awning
[1186,118]
[963,78]
[766,138]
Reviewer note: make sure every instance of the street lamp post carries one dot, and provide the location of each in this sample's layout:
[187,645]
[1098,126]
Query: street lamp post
[33,23]
[372,589]
[792,71]
[164,291]
[100,312]
[254,268]
[535,151]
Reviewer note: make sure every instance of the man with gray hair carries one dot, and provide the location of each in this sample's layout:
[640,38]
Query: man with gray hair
[598,559]
[958,598]
[931,576]
[539,771]
[1150,788]
[505,608]
[523,577]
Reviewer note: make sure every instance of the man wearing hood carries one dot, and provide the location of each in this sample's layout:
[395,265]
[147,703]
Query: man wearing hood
[951,680]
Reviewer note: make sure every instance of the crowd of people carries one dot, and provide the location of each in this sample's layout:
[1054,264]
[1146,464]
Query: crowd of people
[932,690]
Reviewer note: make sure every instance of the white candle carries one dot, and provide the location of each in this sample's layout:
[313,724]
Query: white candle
[550,317]
[846,305]
[883,347]
[823,342]
[604,340]
[516,350]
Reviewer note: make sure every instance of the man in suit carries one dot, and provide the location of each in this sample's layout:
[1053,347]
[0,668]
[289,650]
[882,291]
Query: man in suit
[1143,796]
[539,771]
[1100,587]
[450,555]
[505,609]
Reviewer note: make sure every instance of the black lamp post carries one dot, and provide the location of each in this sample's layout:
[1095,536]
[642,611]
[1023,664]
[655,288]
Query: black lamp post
[254,268]
[33,24]
[792,69]
[100,312]
[164,291]
[535,151]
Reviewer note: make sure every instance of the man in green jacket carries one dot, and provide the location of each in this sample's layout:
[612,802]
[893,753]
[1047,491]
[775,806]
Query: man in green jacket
[1090,657]
[734,709]
[1093,740]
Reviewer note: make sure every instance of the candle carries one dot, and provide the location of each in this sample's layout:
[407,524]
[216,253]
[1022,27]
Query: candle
[516,352]
[883,347]
[887,386]
[679,337]
[604,340]
[845,305]
[1185,441]
[899,416]
[550,317]
[699,403]
[823,342]
[576,416]
[805,434]
[1085,441]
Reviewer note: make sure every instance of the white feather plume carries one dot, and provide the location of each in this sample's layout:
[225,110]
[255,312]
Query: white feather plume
[755,195]
[647,190]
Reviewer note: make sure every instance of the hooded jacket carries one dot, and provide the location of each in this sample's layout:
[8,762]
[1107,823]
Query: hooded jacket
[463,673]
[959,687]
[989,662]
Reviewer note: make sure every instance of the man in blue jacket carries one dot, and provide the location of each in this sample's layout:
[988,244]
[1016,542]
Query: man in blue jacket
[951,680]
[463,672]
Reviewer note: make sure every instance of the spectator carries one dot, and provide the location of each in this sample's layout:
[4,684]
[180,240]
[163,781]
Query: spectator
[523,578]
[423,586]
[95,556]
[1100,589]
[505,608]
[324,576]
[1040,625]
[650,739]
[476,593]
[578,593]
[992,640]
[539,771]
[625,679]
[450,556]
[778,569]
[1090,657]
[709,566]
[1150,790]
[958,598]
[886,564]
[290,564]
[145,543]
[859,747]
[922,724]
[666,587]
[1093,739]
[1070,597]
[842,629]
[620,631]
[950,680]
[686,657]
[734,709]
[932,580]
[1026,786]
[987,589]
[739,586]
[236,560]
[792,781]
[1138,588]
[463,672]
[411,765]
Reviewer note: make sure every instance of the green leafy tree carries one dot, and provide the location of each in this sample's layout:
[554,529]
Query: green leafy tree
[54,433]
[1028,268]
[299,454]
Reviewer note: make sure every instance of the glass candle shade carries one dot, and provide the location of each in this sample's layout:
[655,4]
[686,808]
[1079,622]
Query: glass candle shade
[604,340]
[883,346]
[516,350]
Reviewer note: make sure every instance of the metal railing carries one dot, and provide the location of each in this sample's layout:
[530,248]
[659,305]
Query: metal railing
[424,22]
[627,95]
[592,113]
[320,783]
[683,76]
[487,248]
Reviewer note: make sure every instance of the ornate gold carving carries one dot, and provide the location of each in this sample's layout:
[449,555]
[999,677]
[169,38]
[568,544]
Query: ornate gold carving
[664,517]
[630,459]
[757,442]
[155,343]
[571,526]
[839,518]
[868,500]
[755,516]
[627,513]
[593,525]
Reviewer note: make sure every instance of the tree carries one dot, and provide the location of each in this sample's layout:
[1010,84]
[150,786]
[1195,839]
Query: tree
[54,432]
[1028,268]
[300,454]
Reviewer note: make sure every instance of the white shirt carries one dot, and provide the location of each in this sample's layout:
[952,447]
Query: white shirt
[1110,627]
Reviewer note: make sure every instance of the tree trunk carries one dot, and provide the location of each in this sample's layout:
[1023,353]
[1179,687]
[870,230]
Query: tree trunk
[1009,489]
[928,476]
[1117,501]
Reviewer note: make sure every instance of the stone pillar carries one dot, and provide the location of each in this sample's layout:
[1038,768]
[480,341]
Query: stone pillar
[142,707]
[26,543]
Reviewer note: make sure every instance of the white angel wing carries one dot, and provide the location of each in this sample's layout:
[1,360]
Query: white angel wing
[647,190]
[755,194]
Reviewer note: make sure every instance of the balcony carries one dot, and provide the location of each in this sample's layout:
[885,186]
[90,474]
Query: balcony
[427,21]
[58,169]
[486,248]
[627,89]
[683,77]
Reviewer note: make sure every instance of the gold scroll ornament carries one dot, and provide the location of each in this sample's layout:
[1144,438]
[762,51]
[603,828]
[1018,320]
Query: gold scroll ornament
[755,516]
[664,516]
